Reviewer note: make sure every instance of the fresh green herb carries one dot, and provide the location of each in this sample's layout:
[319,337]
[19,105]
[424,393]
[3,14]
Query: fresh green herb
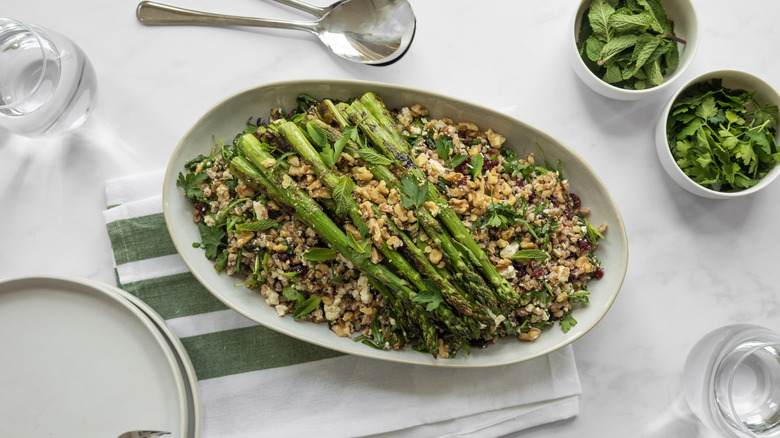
[373,157]
[187,182]
[497,215]
[457,160]
[259,225]
[592,233]
[431,295]
[193,163]
[305,102]
[579,296]
[414,194]
[291,293]
[317,134]
[342,194]
[628,43]
[477,161]
[337,278]
[210,239]
[568,322]
[306,306]
[530,254]
[444,147]
[320,254]
[723,139]
[221,261]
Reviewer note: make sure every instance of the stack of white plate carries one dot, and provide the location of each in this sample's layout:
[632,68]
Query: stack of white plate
[81,358]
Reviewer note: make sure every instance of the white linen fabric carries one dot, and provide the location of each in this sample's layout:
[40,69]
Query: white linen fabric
[315,390]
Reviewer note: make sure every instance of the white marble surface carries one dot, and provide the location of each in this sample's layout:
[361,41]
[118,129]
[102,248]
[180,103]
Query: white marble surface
[695,264]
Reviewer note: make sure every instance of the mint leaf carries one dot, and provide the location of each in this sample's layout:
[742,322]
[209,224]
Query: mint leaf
[320,254]
[530,254]
[342,194]
[374,157]
[625,22]
[259,225]
[477,161]
[598,15]
[307,306]
[616,46]
[317,134]
[645,46]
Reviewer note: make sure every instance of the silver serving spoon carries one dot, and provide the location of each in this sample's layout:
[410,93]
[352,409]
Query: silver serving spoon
[376,32]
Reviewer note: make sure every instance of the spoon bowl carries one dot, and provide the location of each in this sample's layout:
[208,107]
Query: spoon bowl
[374,32]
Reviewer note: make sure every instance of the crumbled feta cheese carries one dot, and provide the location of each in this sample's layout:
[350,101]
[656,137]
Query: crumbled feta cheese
[510,250]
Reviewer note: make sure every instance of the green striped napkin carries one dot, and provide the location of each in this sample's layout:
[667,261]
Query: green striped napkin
[256,382]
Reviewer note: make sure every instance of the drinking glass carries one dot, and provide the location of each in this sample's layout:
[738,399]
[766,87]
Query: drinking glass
[731,381]
[47,84]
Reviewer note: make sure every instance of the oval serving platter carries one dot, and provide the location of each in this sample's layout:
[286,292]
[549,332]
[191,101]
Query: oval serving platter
[229,117]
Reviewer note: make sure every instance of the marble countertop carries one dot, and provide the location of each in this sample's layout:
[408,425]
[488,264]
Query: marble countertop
[695,264]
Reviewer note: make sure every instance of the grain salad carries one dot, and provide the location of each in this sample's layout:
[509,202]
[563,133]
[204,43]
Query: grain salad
[309,210]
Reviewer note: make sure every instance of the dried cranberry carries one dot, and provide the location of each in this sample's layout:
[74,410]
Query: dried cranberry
[576,201]
[464,180]
[200,208]
[489,164]
[598,273]
[283,256]
[303,269]
[567,211]
[584,244]
[538,272]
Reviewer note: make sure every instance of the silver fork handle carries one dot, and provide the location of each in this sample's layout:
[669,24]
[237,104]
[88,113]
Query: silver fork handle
[149,12]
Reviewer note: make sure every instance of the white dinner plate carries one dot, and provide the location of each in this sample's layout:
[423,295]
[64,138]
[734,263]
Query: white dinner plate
[229,117]
[182,358]
[79,361]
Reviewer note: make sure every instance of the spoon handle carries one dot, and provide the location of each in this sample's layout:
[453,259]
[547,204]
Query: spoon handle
[315,10]
[149,12]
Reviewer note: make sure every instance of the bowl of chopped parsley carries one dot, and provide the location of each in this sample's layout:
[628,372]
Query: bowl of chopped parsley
[717,136]
[630,49]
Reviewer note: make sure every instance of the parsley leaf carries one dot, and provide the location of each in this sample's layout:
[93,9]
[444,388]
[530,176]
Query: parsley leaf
[723,139]
[210,239]
[431,295]
[568,322]
[188,182]
[414,195]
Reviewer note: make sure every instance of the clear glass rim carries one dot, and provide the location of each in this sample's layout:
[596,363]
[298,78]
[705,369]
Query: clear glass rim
[730,385]
[30,30]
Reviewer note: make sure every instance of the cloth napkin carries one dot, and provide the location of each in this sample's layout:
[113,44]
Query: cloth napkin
[256,382]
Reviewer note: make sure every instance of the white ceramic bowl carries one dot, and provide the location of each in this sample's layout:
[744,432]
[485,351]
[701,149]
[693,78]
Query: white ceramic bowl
[686,26]
[733,79]
[229,117]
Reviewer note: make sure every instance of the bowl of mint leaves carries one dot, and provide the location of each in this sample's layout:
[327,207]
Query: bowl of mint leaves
[717,136]
[630,49]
